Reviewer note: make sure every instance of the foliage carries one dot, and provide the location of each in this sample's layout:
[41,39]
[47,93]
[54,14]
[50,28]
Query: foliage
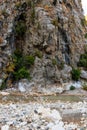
[4,13]
[38,54]
[83,22]
[10,67]
[72,87]
[76,74]
[3,85]
[61,65]
[21,73]
[83,60]
[29,60]
[55,22]
[19,66]
[20,28]
[18,5]
[86,35]
[29,3]
[54,62]
[85,86]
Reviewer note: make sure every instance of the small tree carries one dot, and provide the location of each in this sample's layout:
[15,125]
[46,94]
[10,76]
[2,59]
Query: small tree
[76,74]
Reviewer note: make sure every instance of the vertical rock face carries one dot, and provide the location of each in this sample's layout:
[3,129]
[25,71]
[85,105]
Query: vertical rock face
[58,32]
[54,35]
[7,15]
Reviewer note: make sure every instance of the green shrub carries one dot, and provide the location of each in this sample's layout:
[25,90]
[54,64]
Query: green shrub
[55,22]
[72,87]
[21,73]
[18,5]
[54,62]
[83,60]
[3,85]
[86,35]
[85,86]
[22,65]
[17,53]
[20,29]
[4,13]
[61,65]
[76,74]
[29,60]
[29,3]
[38,54]
[83,22]
[18,68]
[18,60]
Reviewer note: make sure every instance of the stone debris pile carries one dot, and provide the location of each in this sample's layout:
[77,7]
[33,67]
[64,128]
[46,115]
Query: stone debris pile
[37,116]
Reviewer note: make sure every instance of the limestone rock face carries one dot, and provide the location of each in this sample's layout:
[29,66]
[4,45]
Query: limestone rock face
[54,35]
[58,33]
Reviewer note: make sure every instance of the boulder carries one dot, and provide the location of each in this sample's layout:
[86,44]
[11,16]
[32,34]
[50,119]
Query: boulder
[83,74]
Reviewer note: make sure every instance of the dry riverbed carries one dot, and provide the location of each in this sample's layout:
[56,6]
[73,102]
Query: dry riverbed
[20,111]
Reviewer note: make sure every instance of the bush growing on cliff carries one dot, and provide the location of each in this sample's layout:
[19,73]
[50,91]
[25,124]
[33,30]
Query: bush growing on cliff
[83,60]
[83,22]
[55,22]
[18,5]
[76,74]
[29,60]
[85,86]
[3,85]
[4,13]
[21,73]
[86,35]
[22,65]
[19,67]
[38,54]
[20,29]
[54,62]
[72,87]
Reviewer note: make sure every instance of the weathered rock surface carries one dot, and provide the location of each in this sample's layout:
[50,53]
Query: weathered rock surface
[54,35]
[84,74]
[58,33]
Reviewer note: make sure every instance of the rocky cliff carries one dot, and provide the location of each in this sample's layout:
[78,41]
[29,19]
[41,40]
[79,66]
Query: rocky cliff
[50,30]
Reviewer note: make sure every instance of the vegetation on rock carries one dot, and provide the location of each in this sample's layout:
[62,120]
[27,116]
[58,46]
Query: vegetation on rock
[76,74]
[83,59]
[85,86]
[72,88]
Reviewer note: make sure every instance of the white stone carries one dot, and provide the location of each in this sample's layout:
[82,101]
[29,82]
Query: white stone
[5,127]
[21,87]
[83,74]
[50,125]
[57,127]
[55,115]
